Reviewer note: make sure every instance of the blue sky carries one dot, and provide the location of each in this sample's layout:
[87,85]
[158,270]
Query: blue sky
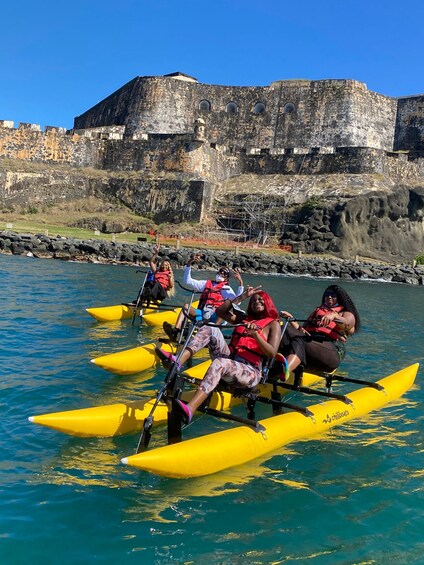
[58,59]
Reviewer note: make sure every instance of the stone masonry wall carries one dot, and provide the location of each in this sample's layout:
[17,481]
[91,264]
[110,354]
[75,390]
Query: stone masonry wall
[29,143]
[341,160]
[327,113]
[409,133]
[109,148]
[177,175]
[341,113]
[162,154]
[298,113]
[111,111]
[177,197]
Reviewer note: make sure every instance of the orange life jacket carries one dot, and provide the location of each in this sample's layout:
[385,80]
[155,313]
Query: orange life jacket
[163,278]
[211,295]
[331,330]
[246,346]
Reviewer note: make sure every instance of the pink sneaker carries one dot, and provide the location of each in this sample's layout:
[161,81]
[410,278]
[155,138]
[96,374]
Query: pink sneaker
[183,410]
[167,358]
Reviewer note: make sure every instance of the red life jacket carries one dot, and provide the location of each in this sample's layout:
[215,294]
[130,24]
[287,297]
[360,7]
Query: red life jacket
[246,346]
[163,278]
[211,295]
[331,330]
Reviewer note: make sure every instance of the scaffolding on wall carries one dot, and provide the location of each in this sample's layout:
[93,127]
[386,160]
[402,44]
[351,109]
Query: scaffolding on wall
[254,218]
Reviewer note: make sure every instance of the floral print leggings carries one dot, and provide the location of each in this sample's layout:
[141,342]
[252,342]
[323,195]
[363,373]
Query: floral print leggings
[237,372]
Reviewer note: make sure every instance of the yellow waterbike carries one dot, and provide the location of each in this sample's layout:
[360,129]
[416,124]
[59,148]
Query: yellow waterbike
[252,438]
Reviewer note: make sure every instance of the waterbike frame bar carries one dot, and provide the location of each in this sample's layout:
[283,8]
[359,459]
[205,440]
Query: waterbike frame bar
[138,300]
[170,377]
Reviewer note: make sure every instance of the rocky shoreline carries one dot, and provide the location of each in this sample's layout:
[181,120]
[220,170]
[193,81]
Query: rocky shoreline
[103,251]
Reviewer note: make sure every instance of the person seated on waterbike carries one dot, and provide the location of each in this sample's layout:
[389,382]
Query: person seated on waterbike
[239,363]
[160,284]
[320,344]
[214,292]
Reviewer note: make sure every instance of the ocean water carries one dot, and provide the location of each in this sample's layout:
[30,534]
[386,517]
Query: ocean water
[354,495]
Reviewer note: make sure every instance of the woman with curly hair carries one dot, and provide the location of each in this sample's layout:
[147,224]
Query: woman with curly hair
[320,342]
[239,363]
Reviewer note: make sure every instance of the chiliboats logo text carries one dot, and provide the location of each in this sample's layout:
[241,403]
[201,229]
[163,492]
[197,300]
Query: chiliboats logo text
[335,416]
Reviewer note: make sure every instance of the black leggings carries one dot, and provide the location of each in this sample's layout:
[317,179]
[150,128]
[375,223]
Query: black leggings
[153,291]
[314,352]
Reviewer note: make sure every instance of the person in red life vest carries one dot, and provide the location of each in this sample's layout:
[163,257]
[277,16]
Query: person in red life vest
[320,342]
[240,362]
[214,292]
[161,285]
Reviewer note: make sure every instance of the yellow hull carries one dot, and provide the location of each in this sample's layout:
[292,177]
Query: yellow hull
[123,418]
[117,419]
[131,361]
[114,313]
[158,318]
[218,451]
[140,358]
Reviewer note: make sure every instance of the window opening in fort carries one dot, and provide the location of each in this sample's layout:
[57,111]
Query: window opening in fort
[205,105]
[231,108]
[259,108]
[289,108]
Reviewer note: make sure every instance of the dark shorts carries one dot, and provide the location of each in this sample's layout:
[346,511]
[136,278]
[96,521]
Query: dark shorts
[315,351]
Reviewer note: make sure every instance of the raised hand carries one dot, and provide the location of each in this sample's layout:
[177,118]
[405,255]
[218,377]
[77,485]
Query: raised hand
[251,290]
[237,276]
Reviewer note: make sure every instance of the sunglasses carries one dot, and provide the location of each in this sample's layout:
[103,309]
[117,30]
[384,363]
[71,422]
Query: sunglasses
[330,295]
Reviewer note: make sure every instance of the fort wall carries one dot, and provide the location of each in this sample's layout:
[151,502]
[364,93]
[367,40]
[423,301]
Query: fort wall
[147,125]
[53,145]
[290,113]
[336,160]
[409,131]
[110,148]
[341,113]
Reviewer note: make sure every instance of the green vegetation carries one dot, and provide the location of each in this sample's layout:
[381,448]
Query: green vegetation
[312,203]
[79,219]
[304,211]
[420,259]
[56,229]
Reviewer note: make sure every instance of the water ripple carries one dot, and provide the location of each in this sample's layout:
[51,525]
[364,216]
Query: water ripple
[352,495]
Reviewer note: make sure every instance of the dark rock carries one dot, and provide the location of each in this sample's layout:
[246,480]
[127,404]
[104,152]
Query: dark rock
[90,247]
[17,248]
[63,255]
[105,251]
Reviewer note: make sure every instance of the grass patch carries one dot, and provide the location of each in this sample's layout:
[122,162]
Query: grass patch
[62,219]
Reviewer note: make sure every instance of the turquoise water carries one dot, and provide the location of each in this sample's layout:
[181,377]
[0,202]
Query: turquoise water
[353,495]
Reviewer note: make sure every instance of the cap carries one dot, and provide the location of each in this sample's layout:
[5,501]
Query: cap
[224,271]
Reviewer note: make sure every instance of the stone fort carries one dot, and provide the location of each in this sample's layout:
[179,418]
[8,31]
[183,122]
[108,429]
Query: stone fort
[171,147]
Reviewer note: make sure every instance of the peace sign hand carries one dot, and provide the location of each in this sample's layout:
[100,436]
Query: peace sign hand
[250,290]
